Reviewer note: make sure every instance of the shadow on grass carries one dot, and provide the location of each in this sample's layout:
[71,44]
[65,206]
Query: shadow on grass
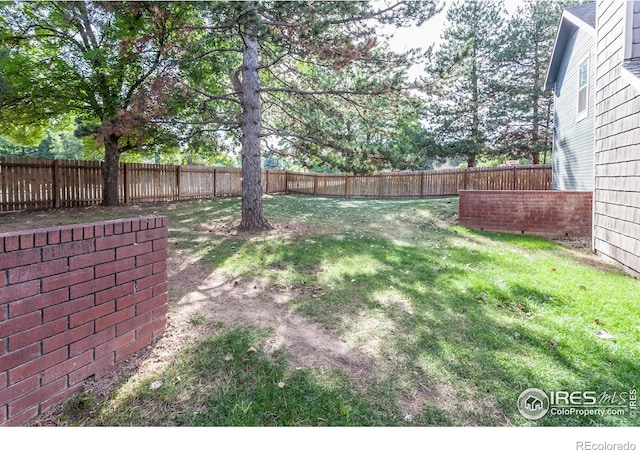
[458,341]
[457,324]
[228,380]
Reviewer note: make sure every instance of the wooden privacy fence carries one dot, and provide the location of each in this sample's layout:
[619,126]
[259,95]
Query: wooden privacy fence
[432,183]
[41,184]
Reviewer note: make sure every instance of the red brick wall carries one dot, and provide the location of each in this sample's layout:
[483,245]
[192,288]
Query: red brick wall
[543,213]
[74,302]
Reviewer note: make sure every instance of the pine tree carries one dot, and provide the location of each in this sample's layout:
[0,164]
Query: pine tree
[527,127]
[464,78]
[292,82]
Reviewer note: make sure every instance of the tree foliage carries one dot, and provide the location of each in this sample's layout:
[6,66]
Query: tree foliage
[485,83]
[305,79]
[464,77]
[110,64]
[526,130]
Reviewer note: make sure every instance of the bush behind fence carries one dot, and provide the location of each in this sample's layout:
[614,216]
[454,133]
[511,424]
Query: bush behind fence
[42,184]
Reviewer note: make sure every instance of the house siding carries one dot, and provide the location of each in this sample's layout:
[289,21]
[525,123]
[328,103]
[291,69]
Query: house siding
[616,221]
[635,37]
[573,140]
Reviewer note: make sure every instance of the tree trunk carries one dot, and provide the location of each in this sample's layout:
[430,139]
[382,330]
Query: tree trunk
[535,130]
[535,158]
[110,171]
[252,218]
[476,137]
[471,161]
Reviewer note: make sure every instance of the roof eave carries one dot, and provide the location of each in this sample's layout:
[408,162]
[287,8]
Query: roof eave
[569,23]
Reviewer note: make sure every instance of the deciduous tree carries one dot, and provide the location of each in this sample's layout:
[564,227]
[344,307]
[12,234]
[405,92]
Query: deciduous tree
[110,63]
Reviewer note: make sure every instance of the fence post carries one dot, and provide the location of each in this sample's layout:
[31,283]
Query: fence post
[267,182]
[422,175]
[126,181]
[178,176]
[56,183]
[215,171]
[514,178]
[466,179]
[379,185]
[315,185]
[346,185]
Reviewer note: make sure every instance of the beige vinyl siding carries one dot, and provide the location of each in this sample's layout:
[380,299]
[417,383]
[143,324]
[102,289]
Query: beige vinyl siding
[616,221]
[573,136]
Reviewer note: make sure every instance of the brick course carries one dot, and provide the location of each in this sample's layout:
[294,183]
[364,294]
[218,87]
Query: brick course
[74,302]
[550,214]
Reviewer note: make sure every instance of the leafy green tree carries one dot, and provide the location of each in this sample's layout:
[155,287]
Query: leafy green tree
[62,145]
[10,148]
[464,78]
[412,145]
[54,145]
[109,63]
[271,164]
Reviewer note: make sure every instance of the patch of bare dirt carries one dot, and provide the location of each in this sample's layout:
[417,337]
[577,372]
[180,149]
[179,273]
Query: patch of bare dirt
[239,302]
[225,228]
[197,291]
[11,221]
[581,249]
[577,243]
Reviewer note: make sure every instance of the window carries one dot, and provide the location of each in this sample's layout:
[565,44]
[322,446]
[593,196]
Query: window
[583,89]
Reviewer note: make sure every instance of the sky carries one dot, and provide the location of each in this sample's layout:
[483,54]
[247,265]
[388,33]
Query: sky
[430,32]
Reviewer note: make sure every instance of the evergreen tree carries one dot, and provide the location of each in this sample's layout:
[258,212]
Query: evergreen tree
[302,67]
[464,78]
[527,112]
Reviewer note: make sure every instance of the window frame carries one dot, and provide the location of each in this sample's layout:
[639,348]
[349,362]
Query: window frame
[580,115]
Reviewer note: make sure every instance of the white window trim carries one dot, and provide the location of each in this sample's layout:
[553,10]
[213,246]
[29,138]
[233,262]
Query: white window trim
[584,114]
[628,30]
[629,77]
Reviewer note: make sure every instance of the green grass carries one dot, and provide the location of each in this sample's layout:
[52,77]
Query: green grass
[468,317]
[223,382]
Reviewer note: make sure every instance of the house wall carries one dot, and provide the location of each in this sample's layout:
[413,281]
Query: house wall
[74,302]
[616,231]
[543,213]
[573,140]
[635,25]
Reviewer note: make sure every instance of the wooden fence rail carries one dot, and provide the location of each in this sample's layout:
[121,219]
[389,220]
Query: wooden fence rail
[42,184]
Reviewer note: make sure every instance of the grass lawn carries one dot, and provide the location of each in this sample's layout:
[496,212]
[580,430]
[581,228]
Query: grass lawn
[438,325]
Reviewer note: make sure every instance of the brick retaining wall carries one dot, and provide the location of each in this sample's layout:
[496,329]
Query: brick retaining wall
[74,302]
[544,213]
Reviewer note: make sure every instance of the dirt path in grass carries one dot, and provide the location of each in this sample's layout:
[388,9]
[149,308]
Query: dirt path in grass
[235,302]
[204,293]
